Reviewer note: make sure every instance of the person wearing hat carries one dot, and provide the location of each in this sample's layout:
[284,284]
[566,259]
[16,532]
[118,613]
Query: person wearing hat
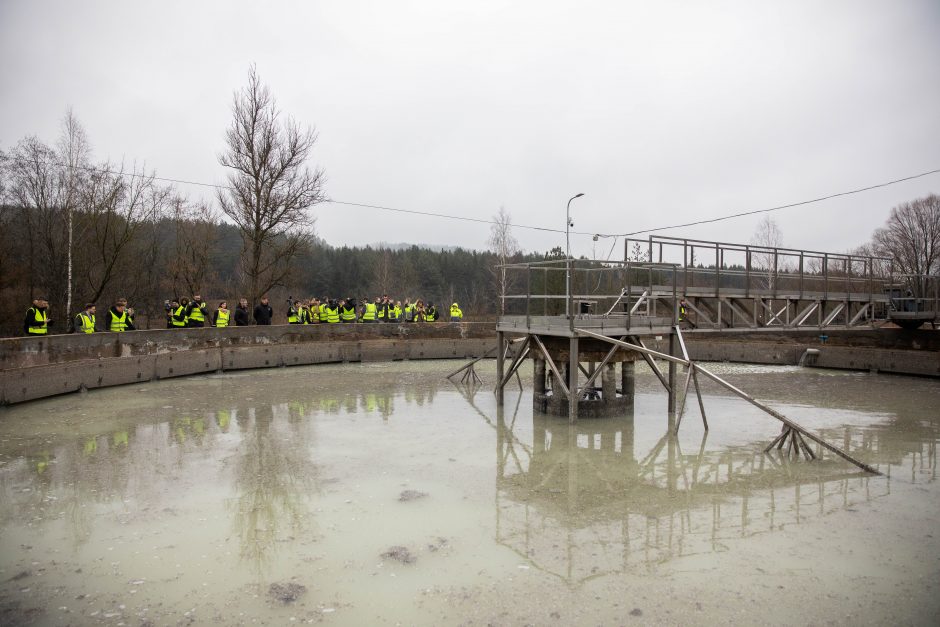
[455,314]
[85,320]
[121,317]
[37,319]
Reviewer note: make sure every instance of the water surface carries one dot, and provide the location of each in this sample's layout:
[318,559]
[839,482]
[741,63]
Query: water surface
[383,494]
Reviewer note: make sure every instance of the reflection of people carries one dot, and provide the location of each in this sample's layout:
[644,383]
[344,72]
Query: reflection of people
[37,318]
[909,301]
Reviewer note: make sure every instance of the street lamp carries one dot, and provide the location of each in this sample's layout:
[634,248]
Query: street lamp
[568,225]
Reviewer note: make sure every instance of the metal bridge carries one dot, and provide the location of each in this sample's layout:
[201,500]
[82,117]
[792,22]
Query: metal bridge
[588,317]
[721,286]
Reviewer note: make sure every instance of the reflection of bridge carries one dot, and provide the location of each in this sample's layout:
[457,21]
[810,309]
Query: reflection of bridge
[580,501]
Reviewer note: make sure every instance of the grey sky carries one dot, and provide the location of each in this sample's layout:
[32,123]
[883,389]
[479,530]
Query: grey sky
[659,112]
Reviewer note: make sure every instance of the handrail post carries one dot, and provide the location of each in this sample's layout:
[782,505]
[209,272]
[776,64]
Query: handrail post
[801,274]
[717,270]
[773,291]
[629,294]
[747,271]
[825,276]
[528,297]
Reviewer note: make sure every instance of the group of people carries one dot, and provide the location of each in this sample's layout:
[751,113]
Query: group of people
[382,309]
[119,318]
[186,313]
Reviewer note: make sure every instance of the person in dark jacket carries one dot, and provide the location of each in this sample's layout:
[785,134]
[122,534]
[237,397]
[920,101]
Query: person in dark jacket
[263,312]
[242,317]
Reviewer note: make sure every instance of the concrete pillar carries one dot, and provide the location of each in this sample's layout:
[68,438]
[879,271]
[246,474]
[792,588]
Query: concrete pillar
[538,380]
[573,380]
[628,380]
[609,383]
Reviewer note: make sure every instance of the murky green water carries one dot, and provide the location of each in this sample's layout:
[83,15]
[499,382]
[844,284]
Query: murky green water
[394,497]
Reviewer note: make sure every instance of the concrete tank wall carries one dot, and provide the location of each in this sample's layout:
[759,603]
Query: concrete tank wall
[33,368]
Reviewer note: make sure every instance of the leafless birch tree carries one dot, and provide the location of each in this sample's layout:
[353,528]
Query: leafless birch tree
[505,246]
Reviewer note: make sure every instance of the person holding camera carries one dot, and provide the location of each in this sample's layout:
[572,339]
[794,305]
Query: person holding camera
[196,312]
[220,316]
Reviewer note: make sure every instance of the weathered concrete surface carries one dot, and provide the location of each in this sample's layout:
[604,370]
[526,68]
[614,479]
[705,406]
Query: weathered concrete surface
[901,352]
[32,368]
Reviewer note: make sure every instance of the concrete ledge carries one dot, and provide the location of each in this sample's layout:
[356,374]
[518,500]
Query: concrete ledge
[36,368]
[913,362]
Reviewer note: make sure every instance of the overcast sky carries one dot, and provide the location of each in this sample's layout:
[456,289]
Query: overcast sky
[659,112]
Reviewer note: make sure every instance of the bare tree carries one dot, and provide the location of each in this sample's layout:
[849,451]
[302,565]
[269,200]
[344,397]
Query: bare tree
[34,187]
[911,238]
[196,233]
[114,208]
[505,246]
[767,235]
[73,157]
[271,188]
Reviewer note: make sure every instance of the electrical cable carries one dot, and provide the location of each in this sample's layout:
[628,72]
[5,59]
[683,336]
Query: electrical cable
[521,226]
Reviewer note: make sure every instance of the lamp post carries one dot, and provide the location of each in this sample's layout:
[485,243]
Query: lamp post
[568,225]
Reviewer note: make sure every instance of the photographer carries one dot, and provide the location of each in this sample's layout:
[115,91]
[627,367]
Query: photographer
[196,312]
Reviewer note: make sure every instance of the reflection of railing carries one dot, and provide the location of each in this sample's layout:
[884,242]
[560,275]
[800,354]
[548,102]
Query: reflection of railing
[766,271]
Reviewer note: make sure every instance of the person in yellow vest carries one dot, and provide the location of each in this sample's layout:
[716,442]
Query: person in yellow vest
[120,318]
[347,311]
[178,315]
[37,317]
[370,311]
[221,316]
[85,320]
[383,305]
[395,313]
[196,312]
[324,305]
[455,314]
[294,311]
[430,313]
[313,311]
[332,312]
[409,311]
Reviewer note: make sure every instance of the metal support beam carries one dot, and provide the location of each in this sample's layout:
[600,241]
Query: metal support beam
[573,382]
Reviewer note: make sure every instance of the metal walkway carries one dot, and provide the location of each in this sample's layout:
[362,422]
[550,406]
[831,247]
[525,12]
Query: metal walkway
[721,287]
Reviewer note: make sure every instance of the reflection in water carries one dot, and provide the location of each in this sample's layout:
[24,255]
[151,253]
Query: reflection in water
[273,474]
[579,501]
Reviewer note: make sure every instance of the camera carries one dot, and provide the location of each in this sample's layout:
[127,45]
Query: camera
[166,305]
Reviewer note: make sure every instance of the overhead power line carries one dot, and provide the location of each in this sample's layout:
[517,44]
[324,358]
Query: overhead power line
[777,208]
[521,226]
